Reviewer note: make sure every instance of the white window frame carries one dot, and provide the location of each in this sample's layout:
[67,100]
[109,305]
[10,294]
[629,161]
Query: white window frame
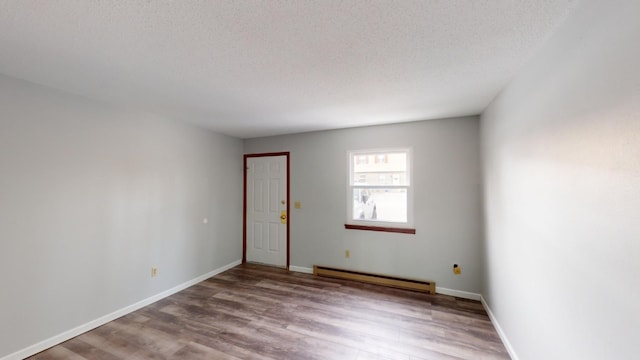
[351,185]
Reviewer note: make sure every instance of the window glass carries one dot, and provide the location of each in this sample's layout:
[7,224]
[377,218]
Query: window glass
[379,186]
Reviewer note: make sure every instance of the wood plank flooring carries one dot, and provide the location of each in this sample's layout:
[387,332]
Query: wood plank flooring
[259,312]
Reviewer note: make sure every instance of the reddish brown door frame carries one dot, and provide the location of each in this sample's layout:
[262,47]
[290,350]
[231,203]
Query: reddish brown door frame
[244,206]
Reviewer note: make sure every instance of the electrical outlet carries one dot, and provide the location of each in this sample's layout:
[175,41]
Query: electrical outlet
[154,272]
[457,269]
[347,254]
[297,205]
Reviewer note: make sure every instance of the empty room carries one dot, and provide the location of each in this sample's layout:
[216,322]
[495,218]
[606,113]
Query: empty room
[382,179]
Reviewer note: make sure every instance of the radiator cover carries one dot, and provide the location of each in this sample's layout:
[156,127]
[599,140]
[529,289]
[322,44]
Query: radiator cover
[385,280]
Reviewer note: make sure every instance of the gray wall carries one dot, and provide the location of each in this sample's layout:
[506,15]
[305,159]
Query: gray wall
[92,197]
[447,190]
[561,149]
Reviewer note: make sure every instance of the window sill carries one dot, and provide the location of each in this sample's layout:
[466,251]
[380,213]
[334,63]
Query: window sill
[380,228]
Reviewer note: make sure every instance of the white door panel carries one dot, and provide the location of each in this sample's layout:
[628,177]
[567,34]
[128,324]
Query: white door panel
[266,202]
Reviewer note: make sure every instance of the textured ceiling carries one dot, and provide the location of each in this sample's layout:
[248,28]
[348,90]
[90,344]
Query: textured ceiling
[256,68]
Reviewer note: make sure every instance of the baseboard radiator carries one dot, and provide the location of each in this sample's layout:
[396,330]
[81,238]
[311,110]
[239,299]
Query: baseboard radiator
[392,281]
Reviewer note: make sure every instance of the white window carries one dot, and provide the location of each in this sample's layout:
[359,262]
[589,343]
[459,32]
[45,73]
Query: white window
[379,191]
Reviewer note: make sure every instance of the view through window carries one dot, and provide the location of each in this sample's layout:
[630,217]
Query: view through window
[379,185]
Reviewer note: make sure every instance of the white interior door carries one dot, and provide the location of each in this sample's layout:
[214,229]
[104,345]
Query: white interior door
[267,216]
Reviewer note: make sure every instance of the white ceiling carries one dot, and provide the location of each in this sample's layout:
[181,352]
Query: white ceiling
[257,68]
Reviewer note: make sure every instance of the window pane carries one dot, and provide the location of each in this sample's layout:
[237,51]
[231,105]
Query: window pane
[380,204]
[388,168]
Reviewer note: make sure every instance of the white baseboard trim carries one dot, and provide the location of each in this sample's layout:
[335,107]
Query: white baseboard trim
[501,333]
[301,269]
[57,339]
[458,293]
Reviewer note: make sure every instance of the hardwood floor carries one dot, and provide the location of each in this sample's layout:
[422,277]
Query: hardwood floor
[259,312]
